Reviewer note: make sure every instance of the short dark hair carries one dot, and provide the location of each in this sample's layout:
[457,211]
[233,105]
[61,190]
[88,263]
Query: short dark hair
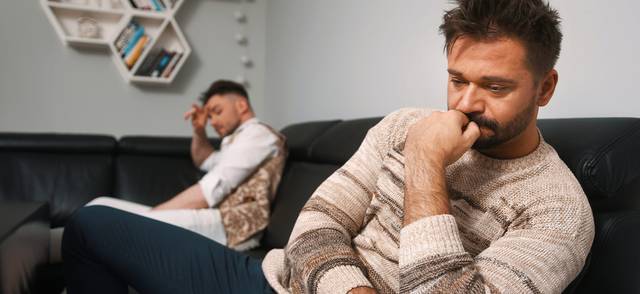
[222,87]
[533,22]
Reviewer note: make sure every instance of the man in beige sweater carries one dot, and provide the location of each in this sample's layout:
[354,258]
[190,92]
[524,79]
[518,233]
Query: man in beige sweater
[468,200]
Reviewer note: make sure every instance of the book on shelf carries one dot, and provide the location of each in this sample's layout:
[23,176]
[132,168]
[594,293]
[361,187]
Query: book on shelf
[172,64]
[137,35]
[159,63]
[135,53]
[150,62]
[157,4]
[166,58]
[154,5]
[125,36]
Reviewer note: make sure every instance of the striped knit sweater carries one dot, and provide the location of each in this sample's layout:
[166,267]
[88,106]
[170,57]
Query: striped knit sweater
[516,226]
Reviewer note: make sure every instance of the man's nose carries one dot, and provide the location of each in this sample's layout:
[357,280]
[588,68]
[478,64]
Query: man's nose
[471,100]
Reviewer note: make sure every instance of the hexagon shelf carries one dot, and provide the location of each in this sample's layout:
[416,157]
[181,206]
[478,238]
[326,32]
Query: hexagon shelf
[143,37]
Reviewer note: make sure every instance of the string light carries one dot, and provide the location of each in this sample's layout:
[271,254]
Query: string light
[243,40]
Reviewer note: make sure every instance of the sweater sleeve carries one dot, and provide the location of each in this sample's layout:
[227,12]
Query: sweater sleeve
[320,252]
[541,255]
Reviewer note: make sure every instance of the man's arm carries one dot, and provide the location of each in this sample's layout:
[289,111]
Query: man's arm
[239,160]
[250,148]
[201,149]
[320,249]
[433,143]
[539,257]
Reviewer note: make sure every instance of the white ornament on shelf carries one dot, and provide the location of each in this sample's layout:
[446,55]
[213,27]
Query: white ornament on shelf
[88,28]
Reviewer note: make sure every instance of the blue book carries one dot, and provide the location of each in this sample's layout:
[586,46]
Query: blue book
[162,64]
[156,5]
[134,39]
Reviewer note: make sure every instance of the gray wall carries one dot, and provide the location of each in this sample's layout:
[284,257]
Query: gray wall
[345,59]
[47,87]
[313,60]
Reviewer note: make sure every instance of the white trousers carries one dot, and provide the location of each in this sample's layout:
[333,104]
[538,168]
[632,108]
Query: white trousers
[206,221]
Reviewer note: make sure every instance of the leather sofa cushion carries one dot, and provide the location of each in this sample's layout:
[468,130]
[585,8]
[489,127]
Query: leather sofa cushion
[150,180]
[614,262]
[67,143]
[65,170]
[171,146]
[152,170]
[603,154]
[340,142]
[301,136]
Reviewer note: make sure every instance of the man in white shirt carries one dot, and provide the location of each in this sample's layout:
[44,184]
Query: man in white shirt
[246,145]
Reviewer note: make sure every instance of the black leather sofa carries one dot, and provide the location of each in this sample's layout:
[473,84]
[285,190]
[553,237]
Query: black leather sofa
[69,170]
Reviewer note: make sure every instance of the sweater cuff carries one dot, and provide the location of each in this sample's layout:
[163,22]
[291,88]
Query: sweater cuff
[342,279]
[429,236]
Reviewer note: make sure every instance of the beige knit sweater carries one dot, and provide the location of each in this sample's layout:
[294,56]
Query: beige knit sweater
[516,226]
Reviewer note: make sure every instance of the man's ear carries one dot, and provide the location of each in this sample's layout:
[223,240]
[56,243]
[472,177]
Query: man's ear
[242,105]
[548,87]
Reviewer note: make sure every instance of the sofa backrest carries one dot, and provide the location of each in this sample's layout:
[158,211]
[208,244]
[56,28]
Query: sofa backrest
[316,150]
[150,170]
[64,170]
[69,170]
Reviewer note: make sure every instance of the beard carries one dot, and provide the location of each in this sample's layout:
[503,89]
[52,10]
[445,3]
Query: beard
[501,132]
[228,130]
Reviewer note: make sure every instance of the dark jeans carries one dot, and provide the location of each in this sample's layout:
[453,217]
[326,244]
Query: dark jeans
[106,249]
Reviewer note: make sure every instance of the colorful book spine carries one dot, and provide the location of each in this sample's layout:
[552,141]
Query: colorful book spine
[174,60]
[156,5]
[149,62]
[136,51]
[144,4]
[157,61]
[134,40]
[163,63]
[125,37]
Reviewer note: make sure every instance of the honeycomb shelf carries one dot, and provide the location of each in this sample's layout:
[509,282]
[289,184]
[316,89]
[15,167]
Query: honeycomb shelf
[109,23]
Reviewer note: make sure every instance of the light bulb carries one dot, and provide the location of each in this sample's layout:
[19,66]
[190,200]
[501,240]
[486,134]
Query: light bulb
[242,80]
[246,61]
[240,16]
[241,39]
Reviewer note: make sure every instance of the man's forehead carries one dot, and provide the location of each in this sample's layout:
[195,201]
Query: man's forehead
[496,57]
[216,100]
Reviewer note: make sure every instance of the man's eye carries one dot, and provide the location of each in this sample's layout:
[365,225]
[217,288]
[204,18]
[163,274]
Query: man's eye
[497,88]
[457,82]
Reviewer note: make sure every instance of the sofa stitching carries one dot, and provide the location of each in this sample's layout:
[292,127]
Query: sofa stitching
[589,165]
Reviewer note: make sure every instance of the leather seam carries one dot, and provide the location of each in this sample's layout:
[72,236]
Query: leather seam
[591,164]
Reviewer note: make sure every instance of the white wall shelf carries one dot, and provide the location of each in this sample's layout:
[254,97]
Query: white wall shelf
[156,61]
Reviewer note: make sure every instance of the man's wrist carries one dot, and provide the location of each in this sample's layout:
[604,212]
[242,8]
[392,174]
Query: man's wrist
[199,132]
[425,192]
[431,156]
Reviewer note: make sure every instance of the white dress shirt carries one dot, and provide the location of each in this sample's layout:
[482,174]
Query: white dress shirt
[239,156]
